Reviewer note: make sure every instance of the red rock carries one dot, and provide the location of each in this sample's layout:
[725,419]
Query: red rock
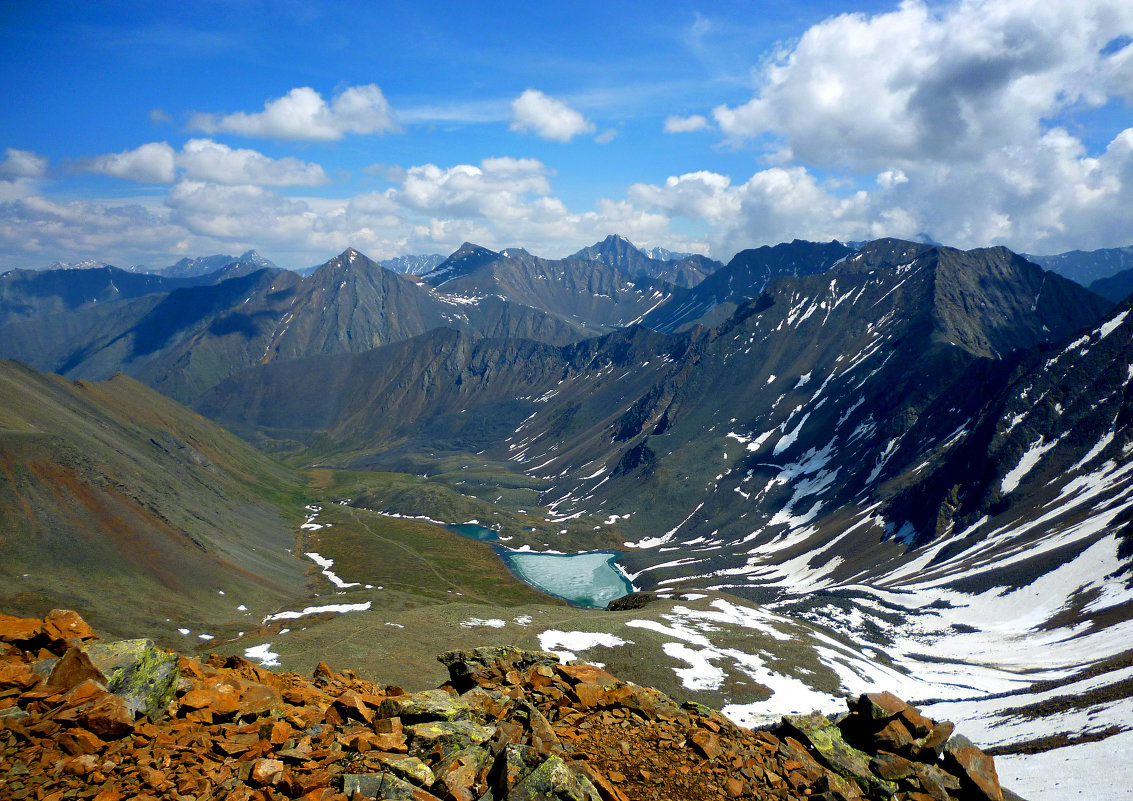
[108,717]
[589,695]
[388,726]
[894,736]
[881,705]
[63,625]
[939,735]
[350,705]
[706,743]
[76,698]
[890,766]
[390,743]
[915,722]
[258,698]
[980,770]
[80,741]
[276,733]
[267,771]
[80,765]
[586,673]
[734,786]
[19,629]
[17,676]
[73,669]
[151,777]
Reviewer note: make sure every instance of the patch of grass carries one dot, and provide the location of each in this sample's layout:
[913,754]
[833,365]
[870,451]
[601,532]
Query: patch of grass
[419,559]
[439,498]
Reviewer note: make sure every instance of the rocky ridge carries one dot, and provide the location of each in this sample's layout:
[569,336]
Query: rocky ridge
[80,718]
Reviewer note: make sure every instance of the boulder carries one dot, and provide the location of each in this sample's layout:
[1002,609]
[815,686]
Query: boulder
[881,706]
[19,629]
[383,785]
[825,741]
[965,760]
[467,668]
[440,738]
[63,626]
[409,768]
[144,677]
[425,706]
[554,780]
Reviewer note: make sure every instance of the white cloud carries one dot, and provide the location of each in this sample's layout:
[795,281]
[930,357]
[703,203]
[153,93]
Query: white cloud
[22,164]
[696,122]
[488,190]
[499,202]
[206,160]
[940,83]
[607,136]
[771,202]
[547,117]
[152,163]
[303,115]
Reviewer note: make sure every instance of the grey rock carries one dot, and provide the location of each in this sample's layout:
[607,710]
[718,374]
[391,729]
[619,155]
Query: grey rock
[442,738]
[425,706]
[143,676]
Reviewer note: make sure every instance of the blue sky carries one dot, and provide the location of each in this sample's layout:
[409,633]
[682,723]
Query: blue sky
[136,133]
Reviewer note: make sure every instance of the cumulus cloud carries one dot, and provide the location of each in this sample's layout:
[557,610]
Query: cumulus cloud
[952,117]
[547,117]
[941,83]
[22,164]
[206,160]
[695,122]
[303,115]
[761,209]
[487,190]
[152,163]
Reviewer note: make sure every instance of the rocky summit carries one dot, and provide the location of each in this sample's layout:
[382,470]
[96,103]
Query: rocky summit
[85,719]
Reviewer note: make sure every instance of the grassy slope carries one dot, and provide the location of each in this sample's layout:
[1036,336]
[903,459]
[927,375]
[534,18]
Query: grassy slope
[120,502]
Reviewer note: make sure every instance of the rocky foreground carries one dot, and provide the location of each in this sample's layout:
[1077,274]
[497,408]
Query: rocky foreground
[86,719]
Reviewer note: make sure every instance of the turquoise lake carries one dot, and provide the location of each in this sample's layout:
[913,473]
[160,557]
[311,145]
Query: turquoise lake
[584,579]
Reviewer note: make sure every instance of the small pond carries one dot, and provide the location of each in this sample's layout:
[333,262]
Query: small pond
[474,531]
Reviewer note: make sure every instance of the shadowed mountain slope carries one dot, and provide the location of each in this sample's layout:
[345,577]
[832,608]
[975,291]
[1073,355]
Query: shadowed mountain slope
[186,341]
[715,299]
[589,295]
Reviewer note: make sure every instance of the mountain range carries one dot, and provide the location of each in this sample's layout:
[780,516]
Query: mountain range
[893,450]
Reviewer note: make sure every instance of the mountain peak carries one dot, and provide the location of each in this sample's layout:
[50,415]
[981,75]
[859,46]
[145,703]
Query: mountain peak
[467,258]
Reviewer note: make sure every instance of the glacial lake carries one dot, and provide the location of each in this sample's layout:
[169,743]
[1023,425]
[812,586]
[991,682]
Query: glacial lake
[583,579]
